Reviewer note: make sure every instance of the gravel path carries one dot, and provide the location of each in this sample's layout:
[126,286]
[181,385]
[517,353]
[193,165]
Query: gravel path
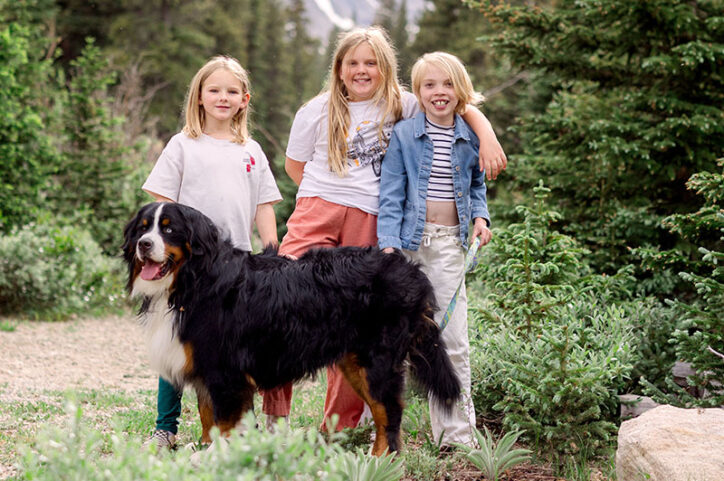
[105,353]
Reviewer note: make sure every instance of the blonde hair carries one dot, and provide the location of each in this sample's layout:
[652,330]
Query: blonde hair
[194,111]
[455,70]
[389,91]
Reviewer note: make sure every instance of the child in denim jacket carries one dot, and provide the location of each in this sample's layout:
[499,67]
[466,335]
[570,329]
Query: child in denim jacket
[430,190]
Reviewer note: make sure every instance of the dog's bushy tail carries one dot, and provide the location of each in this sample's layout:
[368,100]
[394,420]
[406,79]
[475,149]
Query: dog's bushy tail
[430,364]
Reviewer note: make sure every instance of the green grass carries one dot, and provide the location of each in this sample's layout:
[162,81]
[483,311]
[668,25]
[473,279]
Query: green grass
[6,325]
[119,422]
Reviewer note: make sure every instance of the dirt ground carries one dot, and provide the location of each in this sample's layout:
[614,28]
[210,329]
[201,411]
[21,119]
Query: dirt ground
[87,353]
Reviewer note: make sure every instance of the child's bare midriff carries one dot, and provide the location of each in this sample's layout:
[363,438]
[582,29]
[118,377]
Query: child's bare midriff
[442,213]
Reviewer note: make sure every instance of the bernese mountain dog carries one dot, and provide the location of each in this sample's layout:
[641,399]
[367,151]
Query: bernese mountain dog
[228,322]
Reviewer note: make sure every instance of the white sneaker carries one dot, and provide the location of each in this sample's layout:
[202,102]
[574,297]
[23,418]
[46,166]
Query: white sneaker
[161,439]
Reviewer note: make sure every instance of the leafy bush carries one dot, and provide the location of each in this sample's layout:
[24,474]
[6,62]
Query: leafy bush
[52,271]
[27,154]
[77,452]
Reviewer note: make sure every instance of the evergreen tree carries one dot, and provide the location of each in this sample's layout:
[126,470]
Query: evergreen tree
[28,156]
[699,336]
[227,25]
[307,72]
[452,26]
[79,19]
[91,179]
[637,110]
[270,79]
[401,40]
[554,342]
[385,15]
[171,40]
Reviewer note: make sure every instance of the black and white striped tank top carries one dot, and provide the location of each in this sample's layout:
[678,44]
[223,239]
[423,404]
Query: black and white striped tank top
[440,187]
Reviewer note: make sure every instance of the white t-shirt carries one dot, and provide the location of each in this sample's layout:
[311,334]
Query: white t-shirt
[308,139]
[222,179]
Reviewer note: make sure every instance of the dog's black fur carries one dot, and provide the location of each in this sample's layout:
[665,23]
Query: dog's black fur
[248,321]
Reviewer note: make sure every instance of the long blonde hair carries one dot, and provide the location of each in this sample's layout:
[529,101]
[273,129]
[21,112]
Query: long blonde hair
[194,111]
[389,91]
[455,70]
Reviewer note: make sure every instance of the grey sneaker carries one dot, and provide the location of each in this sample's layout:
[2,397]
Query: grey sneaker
[161,439]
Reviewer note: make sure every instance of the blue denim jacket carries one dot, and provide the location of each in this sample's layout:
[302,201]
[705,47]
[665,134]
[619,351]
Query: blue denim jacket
[405,176]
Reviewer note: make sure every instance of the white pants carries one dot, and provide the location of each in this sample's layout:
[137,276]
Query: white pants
[442,258]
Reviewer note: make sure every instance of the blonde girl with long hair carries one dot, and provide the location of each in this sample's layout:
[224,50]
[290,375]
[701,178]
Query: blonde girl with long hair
[334,154]
[214,166]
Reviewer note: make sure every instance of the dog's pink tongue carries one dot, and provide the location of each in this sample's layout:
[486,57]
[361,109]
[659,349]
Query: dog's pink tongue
[150,270]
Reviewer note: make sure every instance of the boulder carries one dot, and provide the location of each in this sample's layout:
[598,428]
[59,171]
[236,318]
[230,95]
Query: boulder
[633,405]
[672,444]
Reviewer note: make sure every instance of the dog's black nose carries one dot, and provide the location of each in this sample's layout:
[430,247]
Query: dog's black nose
[145,245]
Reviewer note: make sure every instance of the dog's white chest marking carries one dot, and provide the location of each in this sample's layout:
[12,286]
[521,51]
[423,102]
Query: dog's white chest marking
[166,353]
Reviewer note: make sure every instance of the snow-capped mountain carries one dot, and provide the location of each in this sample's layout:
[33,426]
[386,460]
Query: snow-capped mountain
[323,15]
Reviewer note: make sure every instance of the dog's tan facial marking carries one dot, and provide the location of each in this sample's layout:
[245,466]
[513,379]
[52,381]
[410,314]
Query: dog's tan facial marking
[165,221]
[174,252]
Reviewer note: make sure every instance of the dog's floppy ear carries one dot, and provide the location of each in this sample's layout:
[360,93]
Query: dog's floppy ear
[203,234]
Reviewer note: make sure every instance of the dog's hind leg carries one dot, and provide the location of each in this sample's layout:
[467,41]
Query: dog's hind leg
[386,412]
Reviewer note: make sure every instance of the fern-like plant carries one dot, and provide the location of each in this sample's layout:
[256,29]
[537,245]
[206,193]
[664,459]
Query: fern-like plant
[494,458]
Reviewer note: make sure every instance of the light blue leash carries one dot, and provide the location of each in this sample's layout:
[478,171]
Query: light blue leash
[471,260]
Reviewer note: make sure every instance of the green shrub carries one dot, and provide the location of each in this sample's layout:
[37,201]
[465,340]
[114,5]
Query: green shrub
[52,271]
[28,156]
[552,341]
[77,452]
[560,384]
[699,335]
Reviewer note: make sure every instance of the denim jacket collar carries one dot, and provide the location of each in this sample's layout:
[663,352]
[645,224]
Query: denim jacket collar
[460,132]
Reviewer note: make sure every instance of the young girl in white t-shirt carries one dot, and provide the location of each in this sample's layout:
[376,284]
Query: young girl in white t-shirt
[334,154]
[214,166]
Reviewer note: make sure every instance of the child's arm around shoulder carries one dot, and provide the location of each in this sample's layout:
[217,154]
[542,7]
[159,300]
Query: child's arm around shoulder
[492,157]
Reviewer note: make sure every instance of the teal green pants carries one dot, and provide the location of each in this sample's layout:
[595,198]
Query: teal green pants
[168,406]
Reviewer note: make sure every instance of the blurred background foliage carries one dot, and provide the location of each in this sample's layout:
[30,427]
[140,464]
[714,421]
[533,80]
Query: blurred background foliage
[605,268]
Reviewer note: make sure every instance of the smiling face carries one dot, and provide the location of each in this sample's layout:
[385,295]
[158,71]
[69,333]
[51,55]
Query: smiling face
[360,73]
[437,96]
[222,97]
